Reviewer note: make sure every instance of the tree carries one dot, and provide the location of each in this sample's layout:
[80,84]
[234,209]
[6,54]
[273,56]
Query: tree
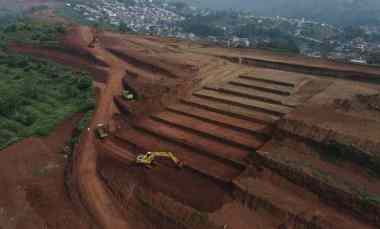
[352,32]
[123,27]
[373,57]
[180,5]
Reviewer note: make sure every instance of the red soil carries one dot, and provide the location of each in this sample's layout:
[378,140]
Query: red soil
[213,148]
[290,59]
[75,61]
[183,185]
[32,177]
[70,52]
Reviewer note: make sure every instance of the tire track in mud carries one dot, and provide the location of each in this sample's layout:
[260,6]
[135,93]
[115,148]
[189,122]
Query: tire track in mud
[95,196]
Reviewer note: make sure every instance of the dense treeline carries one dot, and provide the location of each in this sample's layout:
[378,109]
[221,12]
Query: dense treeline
[279,40]
[35,95]
[203,26]
[31,32]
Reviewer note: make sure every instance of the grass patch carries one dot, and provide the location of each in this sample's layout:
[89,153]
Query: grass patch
[36,95]
[368,200]
[335,152]
[84,122]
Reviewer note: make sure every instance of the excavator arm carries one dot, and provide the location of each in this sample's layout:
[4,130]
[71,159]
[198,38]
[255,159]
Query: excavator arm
[148,158]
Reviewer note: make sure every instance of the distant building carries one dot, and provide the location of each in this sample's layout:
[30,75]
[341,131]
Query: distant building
[358,61]
[237,42]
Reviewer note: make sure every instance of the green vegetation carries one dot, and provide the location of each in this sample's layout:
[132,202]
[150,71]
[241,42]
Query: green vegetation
[36,95]
[202,28]
[198,218]
[281,41]
[73,15]
[31,32]
[374,58]
[84,122]
[336,152]
[369,199]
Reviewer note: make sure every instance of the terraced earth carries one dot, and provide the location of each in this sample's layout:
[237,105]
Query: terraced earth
[223,131]
[262,148]
[217,130]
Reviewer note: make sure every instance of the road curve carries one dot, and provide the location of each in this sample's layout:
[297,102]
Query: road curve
[94,195]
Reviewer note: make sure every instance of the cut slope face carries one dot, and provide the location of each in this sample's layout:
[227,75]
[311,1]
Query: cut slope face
[213,131]
[209,124]
[330,146]
[262,148]
[219,119]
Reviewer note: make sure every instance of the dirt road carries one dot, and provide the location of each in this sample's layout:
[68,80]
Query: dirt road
[94,194]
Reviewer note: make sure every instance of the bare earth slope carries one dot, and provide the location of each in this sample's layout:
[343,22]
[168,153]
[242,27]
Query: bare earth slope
[263,147]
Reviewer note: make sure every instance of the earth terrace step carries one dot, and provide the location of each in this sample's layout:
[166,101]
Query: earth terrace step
[249,93]
[216,150]
[290,203]
[267,87]
[271,80]
[268,108]
[225,135]
[172,213]
[193,160]
[218,76]
[117,152]
[210,67]
[228,109]
[236,71]
[359,204]
[214,72]
[222,120]
[213,65]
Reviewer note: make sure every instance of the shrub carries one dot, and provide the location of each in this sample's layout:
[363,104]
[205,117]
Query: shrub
[33,100]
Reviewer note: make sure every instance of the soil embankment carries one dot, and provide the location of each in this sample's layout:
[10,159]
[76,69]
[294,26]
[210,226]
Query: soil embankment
[32,174]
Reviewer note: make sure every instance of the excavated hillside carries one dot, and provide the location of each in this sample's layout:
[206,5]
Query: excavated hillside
[266,141]
[257,140]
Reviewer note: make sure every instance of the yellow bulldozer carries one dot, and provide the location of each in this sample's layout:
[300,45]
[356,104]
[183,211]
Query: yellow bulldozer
[148,158]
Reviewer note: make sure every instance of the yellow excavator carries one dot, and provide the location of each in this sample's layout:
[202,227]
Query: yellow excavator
[148,158]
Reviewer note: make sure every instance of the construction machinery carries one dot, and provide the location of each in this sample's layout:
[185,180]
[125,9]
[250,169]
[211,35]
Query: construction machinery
[128,95]
[148,158]
[93,42]
[101,131]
